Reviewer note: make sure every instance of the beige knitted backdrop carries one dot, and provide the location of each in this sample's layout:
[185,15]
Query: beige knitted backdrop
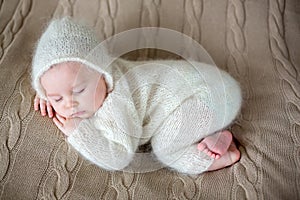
[257,42]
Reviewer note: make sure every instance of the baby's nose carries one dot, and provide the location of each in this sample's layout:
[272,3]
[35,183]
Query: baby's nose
[71,103]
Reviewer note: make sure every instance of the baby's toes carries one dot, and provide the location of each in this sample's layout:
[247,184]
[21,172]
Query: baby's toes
[211,154]
[206,151]
[201,146]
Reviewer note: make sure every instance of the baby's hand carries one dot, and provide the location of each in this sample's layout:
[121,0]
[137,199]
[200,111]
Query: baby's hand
[44,106]
[67,126]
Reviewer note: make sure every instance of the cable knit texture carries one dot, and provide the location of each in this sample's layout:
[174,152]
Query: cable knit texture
[174,104]
[257,42]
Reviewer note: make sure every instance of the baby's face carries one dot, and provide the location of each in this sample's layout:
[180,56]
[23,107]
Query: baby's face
[74,90]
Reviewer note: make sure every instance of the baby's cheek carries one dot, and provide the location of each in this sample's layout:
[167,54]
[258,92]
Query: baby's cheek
[97,101]
[85,101]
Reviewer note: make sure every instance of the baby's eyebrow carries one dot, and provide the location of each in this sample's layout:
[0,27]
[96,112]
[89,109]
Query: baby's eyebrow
[79,84]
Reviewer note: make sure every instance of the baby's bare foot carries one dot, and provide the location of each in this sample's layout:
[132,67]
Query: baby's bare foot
[229,158]
[216,145]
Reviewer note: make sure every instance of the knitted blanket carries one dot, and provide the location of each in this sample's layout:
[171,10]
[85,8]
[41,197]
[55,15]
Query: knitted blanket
[256,42]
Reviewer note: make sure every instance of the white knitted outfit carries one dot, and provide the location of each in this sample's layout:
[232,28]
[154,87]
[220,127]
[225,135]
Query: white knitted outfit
[172,104]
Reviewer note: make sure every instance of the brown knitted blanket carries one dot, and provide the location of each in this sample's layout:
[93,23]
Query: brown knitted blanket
[257,42]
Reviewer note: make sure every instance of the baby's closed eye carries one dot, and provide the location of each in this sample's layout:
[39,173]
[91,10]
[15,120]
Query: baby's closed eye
[79,91]
[58,100]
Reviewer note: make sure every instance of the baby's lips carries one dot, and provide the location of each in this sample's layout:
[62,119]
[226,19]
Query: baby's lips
[76,114]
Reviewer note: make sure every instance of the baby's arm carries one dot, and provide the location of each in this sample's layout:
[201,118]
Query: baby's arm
[109,138]
[111,149]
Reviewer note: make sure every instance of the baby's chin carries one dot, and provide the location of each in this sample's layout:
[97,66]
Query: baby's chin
[83,115]
[86,115]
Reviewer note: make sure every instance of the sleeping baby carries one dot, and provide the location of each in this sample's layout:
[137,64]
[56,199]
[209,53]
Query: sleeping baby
[107,112]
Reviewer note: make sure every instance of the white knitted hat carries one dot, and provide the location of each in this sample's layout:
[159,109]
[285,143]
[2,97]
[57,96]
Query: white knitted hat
[65,40]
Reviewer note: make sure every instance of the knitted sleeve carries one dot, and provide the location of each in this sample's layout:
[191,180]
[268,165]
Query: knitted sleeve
[111,137]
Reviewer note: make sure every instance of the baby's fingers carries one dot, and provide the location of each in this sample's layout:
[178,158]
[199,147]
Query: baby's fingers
[49,109]
[40,104]
[61,119]
[58,124]
[36,103]
[43,107]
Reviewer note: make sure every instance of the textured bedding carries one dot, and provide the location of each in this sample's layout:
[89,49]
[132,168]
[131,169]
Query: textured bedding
[257,42]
